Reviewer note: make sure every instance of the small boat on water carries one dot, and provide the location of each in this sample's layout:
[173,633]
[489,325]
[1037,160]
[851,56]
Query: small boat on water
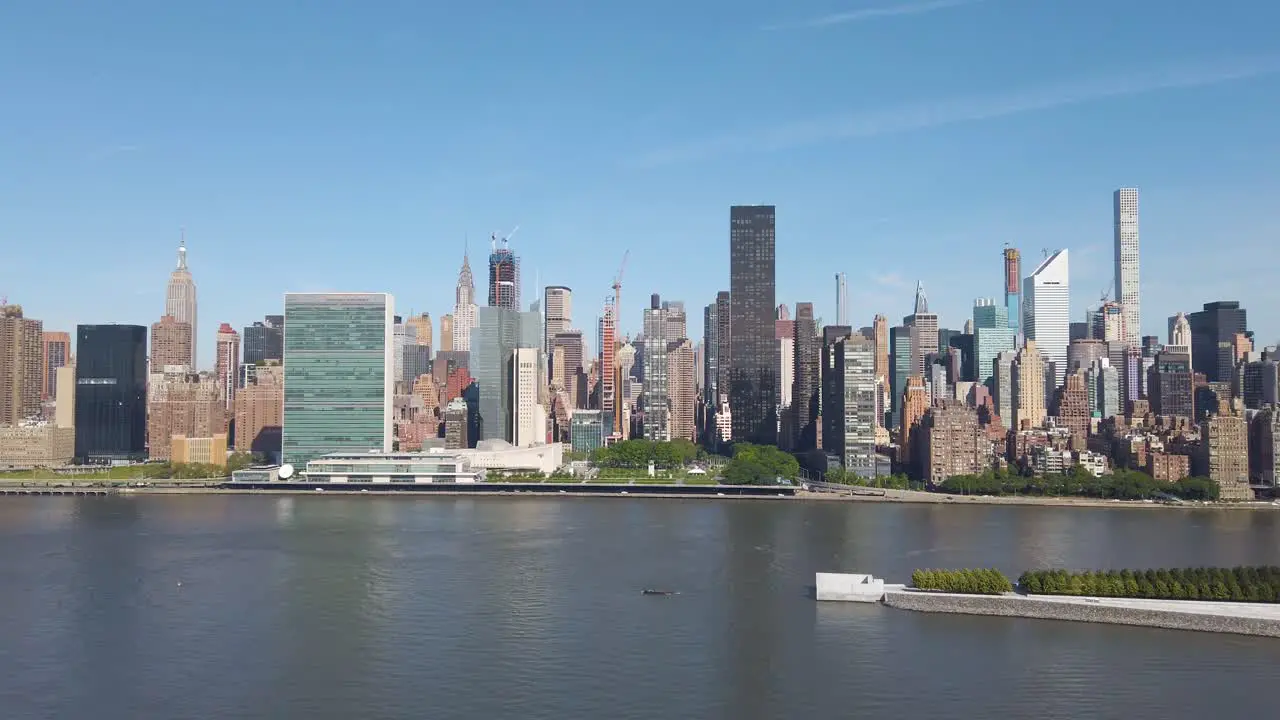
[658,592]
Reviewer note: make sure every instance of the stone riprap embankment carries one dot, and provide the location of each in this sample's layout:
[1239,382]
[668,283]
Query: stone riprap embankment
[1239,618]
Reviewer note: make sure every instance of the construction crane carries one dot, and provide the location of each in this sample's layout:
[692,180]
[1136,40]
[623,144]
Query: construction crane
[493,239]
[617,286]
[1106,294]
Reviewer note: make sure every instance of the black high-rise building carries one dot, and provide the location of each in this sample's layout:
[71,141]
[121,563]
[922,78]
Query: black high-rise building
[111,393]
[1213,333]
[264,340]
[806,360]
[753,349]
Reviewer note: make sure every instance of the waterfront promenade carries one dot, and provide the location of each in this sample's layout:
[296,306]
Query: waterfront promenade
[1260,619]
[642,487]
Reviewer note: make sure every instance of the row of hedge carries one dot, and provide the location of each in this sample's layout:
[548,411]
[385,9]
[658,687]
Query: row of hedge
[977,582]
[1240,584]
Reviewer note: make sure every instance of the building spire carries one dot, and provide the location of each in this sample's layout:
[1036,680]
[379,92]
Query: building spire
[922,300]
[182,249]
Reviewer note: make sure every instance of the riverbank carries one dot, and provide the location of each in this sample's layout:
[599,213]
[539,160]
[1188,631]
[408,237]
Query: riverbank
[918,496]
[856,493]
[1256,619]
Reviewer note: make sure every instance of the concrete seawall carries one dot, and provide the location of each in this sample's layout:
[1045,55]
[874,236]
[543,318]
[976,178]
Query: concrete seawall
[1237,618]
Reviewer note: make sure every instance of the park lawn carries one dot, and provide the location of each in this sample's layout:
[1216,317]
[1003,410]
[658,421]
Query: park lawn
[656,481]
[563,480]
[700,480]
[115,473]
[611,481]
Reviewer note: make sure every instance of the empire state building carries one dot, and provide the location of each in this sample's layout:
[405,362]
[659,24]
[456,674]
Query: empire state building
[180,298]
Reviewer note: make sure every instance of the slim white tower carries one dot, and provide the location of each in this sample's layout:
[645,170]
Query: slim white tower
[1125,202]
[1046,309]
[842,300]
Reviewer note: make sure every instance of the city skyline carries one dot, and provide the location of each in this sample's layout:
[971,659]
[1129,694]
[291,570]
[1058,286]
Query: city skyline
[1184,120]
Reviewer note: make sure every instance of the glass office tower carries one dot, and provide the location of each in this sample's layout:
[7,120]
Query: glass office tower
[338,380]
[111,393]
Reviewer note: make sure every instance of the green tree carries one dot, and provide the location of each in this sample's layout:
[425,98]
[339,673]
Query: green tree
[744,471]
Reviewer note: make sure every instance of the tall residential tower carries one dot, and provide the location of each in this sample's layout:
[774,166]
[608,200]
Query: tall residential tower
[1013,286]
[1125,209]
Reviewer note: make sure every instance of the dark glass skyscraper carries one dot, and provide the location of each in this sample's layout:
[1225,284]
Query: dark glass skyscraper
[111,393]
[753,350]
[264,340]
[1213,332]
[807,359]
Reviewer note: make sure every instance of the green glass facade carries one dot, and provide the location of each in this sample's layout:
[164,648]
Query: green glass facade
[337,374]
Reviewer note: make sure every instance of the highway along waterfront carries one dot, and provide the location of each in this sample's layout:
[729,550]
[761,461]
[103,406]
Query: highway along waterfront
[324,605]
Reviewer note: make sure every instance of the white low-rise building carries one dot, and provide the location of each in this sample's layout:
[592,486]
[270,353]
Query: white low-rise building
[500,455]
[849,587]
[377,467]
[435,465]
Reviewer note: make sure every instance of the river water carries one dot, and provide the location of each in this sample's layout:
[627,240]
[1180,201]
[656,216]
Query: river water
[222,606]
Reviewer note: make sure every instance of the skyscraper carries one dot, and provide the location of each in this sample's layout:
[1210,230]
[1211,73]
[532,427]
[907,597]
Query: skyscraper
[807,354]
[753,380]
[723,345]
[338,369]
[260,412]
[170,344]
[711,355]
[991,336]
[420,326]
[1046,310]
[228,364]
[504,276]
[182,403]
[681,392]
[464,308]
[111,393]
[880,336]
[849,399]
[675,326]
[57,353]
[842,300]
[1013,286]
[557,307]
[1125,214]
[180,300]
[1213,332]
[528,417]
[785,332]
[263,340]
[499,332]
[924,331]
[446,332]
[1028,387]
[21,365]
[656,409]
[900,368]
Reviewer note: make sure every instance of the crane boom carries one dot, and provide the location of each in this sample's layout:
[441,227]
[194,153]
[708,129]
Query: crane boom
[617,284]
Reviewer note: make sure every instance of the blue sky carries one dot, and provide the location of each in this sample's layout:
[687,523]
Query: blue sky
[332,145]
